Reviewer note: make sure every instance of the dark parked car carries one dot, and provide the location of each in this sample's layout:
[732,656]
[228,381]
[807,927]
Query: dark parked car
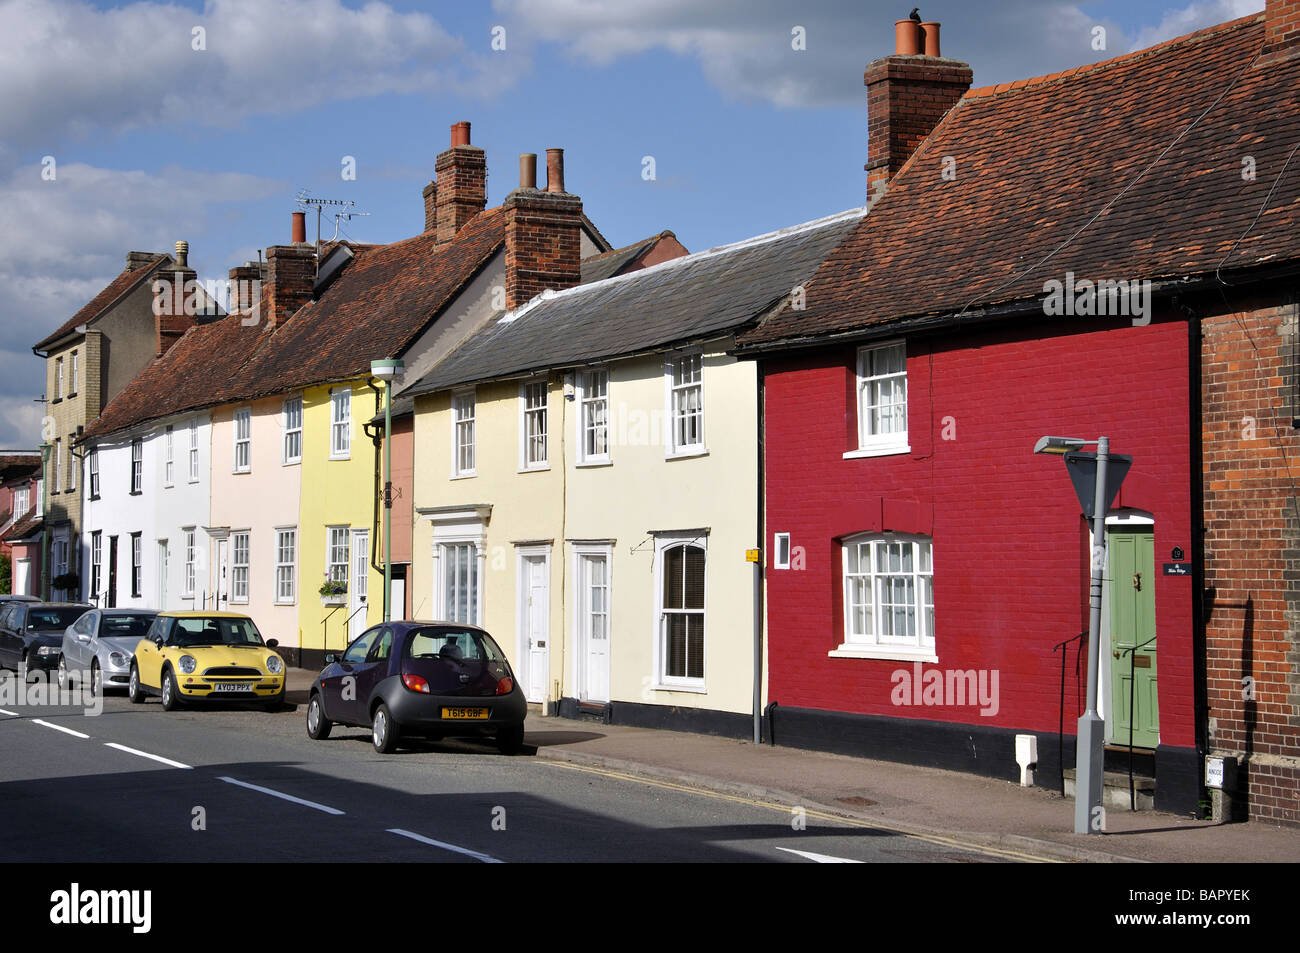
[431,679]
[31,633]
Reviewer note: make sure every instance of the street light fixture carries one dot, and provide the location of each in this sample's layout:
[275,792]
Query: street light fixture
[1096,489]
[387,370]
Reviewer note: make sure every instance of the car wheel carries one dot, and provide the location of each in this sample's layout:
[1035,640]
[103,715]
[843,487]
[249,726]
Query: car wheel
[384,731]
[318,726]
[63,673]
[170,696]
[133,690]
[96,680]
[510,739]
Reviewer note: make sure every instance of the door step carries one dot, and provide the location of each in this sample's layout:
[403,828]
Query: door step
[1114,790]
[588,711]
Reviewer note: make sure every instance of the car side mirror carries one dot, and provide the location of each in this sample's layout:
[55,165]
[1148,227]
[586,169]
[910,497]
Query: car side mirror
[331,658]
[157,640]
[272,643]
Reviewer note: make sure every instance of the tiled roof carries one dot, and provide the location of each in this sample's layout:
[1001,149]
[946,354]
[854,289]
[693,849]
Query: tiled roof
[18,465]
[25,527]
[1128,169]
[100,303]
[687,298]
[610,263]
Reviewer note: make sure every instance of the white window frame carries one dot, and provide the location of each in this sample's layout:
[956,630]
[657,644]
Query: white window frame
[137,465]
[72,375]
[780,550]
[137,565]
[464,449]
[582,387]
[678,388]
[236,567]
[336,569]
[662,681]
[286,570]
[194,451]
[58,378]
[529,416]
[878,444]
[442,562]
[291,408]
[169,456]
[341,423]
[72,466]
[58,464]
[872,641]
[191,562]
[580,627]
[92,467]
[243,420]
[96,563]
[25,494]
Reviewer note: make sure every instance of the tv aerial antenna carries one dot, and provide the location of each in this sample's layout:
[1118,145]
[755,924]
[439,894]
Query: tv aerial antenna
[344,206]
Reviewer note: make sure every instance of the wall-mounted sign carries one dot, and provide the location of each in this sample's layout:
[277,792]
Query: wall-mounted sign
[1178,569]
[1177,554]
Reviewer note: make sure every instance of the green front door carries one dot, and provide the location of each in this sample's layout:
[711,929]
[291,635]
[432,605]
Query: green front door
[1133,622]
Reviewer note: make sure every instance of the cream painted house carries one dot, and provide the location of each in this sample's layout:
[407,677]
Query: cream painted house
[587,484]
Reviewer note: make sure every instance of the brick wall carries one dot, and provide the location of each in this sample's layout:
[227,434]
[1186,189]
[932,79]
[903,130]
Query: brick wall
[906,98]
[461,191]
[1252,461]
[290,273]
[543,243]
[1281,27]
[1010,546]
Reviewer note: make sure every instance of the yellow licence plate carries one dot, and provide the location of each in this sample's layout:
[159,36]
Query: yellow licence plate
[464,713]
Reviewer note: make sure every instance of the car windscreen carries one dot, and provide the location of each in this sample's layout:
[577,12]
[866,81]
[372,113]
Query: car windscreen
[215,631]
[118,626]
[53,618]
[459,644]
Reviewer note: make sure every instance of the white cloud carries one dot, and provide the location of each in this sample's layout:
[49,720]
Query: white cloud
[20,423]
[1193,17]
[72,241]
[70,68]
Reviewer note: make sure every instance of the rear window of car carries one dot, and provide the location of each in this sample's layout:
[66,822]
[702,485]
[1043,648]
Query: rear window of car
[115,626]
[461,644]
[53,618]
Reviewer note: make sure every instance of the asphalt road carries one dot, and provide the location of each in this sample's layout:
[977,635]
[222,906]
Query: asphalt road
[135,783]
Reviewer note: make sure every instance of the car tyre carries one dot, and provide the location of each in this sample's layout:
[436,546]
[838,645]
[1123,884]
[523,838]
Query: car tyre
[170,695]
[510,739]
[318,726]
[384,731]
[133,689]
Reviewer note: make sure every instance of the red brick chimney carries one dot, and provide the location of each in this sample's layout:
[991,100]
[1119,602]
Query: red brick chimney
[460,190]
[173,321]
[907,94]
[290,273]
[543,233]
[1281,28]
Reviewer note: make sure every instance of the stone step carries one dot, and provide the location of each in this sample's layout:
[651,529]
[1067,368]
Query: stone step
[1114,790]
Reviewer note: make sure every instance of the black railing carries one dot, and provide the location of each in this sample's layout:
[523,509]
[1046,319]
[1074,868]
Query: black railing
[1060,727]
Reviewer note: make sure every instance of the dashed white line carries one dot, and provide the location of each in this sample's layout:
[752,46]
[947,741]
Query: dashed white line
[144,754]
[6,711]
[819,858]
[445,846]
[287,797]
[66,731]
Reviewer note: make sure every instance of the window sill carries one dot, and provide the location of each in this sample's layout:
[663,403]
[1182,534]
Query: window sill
[240,472]
[699,689]
[539,468]
[136,493]
[280,602]
[291,463]
[93,498]
[888,653]
[883,451]
[463,476]
[588,464]
[686,454]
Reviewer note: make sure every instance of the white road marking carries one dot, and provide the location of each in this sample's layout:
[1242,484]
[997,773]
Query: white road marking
[145,754]
[5,711]
[66,731]
[819,858]
[287,797]
[445,846]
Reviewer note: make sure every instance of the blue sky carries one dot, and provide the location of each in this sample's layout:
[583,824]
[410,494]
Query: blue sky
[154,140]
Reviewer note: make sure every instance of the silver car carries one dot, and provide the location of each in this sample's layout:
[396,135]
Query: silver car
[99,645]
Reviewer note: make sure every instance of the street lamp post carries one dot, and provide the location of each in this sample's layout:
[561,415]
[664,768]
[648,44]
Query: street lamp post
[1091,738]
[46,449]
[386,371]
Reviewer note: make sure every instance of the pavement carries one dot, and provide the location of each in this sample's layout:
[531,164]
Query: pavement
[926,802]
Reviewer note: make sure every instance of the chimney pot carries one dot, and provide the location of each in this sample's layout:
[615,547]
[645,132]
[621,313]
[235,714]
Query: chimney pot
[930,31]
[907,38]
[528,170]
[555,170]
[182,254]
[460,185]
[459,134]
[298,233]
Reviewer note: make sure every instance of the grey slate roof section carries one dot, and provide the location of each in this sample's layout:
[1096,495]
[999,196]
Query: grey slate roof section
[683,299]
[600,267]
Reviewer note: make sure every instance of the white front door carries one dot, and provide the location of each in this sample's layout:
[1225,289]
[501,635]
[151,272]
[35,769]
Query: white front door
[397,607]
[535,614]
[223,573]
[22,577]
[593,625]
[358,609]
[162,574]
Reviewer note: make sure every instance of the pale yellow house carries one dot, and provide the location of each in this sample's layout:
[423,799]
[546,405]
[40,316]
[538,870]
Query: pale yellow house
[587,484]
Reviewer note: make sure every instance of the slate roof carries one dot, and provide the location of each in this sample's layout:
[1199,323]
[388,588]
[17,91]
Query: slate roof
[610,263]
[97,305]
[684,299]
[1080,171]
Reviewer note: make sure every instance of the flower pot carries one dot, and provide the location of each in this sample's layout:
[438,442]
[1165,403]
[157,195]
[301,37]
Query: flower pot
[334,600]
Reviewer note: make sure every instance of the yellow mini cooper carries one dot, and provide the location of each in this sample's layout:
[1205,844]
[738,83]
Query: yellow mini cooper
[188,657]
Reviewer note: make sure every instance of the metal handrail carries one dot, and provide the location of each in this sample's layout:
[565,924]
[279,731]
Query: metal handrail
[1132,685]
[1060,727]
[324,636]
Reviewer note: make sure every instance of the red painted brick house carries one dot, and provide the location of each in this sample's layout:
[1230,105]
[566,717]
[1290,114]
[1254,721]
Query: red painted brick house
[925,565]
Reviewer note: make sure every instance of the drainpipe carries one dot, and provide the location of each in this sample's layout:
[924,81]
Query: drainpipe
[1200,691]
[375,439]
